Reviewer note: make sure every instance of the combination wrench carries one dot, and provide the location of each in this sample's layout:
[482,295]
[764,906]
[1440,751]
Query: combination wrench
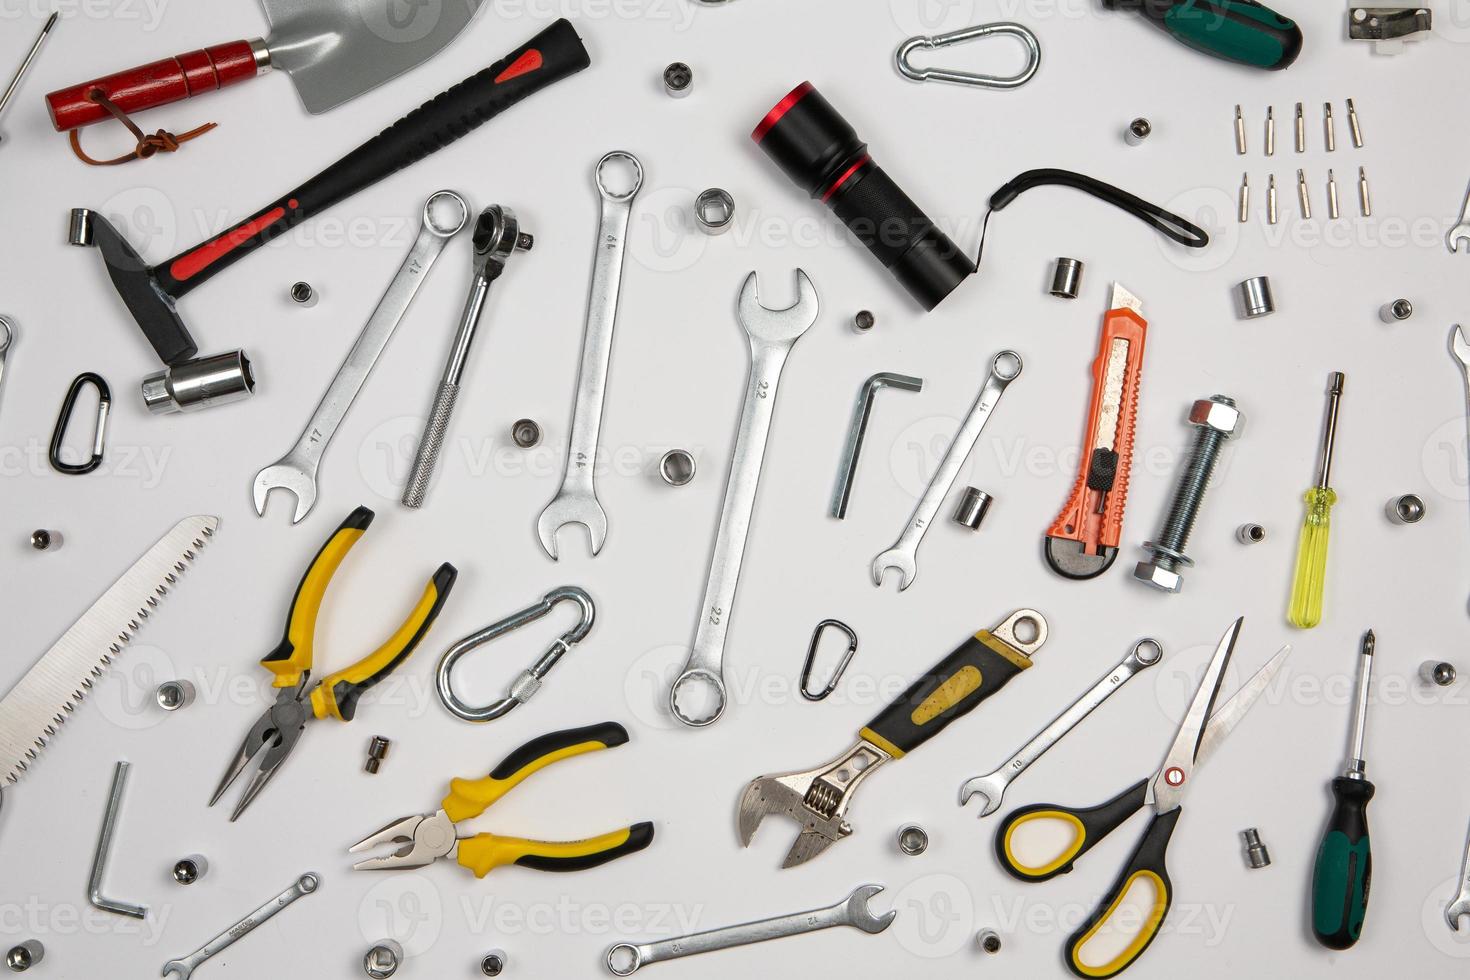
[576,501]
[445,214]
[625,958]
[182,969]
[1144,654]
[772,334]
[904,555]
[1461,231]
[1460,904]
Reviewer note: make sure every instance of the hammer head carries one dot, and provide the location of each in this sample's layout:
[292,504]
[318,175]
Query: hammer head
[137,283]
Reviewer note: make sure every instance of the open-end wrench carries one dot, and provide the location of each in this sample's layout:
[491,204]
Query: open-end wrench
[1144,654]
[576,501]
[445,213]
[1461,231]
[1005,367]
[772,334]
[7,337]
[1460,904]
[857,430]
[625,958]
[182,969]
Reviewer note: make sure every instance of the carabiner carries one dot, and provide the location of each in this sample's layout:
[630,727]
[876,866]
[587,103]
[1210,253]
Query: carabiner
[811,656]
[1033,49]
[529,682]
[99,435]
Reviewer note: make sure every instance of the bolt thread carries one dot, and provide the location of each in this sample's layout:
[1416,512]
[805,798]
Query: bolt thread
[1189,495]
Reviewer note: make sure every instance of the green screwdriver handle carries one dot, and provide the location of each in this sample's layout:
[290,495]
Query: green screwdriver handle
[1242,31]
[1344,869]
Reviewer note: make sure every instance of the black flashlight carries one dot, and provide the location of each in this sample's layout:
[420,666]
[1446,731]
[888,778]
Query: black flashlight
[823,155]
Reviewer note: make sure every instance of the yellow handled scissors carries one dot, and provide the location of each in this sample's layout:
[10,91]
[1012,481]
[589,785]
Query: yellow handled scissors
[1200,733]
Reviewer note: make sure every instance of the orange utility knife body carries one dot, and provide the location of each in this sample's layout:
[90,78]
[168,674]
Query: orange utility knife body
[1083,541]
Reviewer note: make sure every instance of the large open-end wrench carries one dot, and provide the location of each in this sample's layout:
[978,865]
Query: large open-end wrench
[445,213]
[625,958]
[576,501]
[904,555]
[181,969]
[1460,905]
[772,334]
[1144,654]
[1461,231]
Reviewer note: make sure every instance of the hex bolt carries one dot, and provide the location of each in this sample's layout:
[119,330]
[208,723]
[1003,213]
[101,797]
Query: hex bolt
[44,540]
[913,840]
[377,752]
[21,958]
[493,965]
[1215,420]
[190,869]
[383,960]
[1255,851]
[988,940]
[1440,673]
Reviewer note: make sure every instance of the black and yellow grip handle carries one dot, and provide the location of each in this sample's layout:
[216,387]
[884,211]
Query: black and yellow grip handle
[336,696]
[469,798]
[484,852]
[1145,868]
[293,656]
[1089,825]
[953,688]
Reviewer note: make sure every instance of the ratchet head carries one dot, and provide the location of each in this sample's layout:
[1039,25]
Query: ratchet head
[858,913]
[990,788]
[572,508]
[778,326]
[901,559]
[497,234]
[291,477]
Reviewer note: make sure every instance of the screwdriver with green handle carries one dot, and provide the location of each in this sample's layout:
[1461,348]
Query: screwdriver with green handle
[1344,868]
[1310,581]
[1242,31]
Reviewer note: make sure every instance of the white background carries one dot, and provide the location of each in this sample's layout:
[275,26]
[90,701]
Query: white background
[677,376]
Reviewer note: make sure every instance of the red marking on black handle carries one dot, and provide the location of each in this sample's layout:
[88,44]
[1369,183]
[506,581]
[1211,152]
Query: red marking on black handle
[550,56]
[149,86]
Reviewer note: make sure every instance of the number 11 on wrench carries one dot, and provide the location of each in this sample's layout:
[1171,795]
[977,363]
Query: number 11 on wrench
[772,334]
[576,501]
[904,555]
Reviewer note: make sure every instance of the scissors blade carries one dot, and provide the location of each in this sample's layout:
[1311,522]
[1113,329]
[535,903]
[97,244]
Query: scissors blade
[1228,715]
[1183,755]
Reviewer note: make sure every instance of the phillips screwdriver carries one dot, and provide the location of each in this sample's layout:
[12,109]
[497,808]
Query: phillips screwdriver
[1311,559]
[1344,868]
[1242,31]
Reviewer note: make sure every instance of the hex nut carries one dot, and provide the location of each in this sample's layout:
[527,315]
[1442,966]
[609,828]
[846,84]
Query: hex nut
[913,840]
[190,869]
[1138,130]
[303,294]
[1217,415]
[1408,509]
[676,468]
[22,957]
[1440,673]
[173,695]
[678,80]
[1151,573]
[864,321]
[526,433]
[714,210]
[383,960]
[1396,312]
[1250,534]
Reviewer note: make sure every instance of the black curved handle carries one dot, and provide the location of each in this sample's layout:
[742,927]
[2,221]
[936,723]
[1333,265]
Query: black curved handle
[1090,825]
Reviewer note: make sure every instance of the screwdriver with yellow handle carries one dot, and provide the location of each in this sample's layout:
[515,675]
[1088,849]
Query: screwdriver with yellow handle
[1311,559]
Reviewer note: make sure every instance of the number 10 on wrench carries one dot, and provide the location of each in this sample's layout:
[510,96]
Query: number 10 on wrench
[576,501]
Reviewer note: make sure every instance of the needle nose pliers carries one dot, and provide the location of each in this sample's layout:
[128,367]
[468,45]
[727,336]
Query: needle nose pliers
[425,838]
[278,730]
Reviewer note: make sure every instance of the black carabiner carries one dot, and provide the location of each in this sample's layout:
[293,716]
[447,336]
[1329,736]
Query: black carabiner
[811,656]
[58,435]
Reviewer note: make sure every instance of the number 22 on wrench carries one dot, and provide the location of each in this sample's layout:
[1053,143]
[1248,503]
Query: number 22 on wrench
[576,501]
[904,555]
[772,334]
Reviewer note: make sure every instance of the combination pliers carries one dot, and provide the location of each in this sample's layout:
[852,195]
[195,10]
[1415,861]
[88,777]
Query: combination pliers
[278,730]
[422,839]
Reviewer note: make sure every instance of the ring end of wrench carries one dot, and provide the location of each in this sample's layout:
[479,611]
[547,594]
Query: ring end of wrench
[691,679]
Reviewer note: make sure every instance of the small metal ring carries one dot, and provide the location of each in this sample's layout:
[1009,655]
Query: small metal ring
[637,175]
[444,231]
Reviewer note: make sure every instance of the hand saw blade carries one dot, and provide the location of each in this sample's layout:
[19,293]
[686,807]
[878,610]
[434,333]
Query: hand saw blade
[45,697]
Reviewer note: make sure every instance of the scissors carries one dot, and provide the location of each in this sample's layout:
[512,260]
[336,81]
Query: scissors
[1145,867]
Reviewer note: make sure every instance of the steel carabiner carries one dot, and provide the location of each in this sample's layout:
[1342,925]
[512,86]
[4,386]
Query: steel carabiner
[99,435]
[1023,33]
[811,657]
[529,681]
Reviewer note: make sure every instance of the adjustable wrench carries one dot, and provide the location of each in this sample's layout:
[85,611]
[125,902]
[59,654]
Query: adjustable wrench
[772,334]
[576,501]
[1461,231]
[625,958]
[1145,654]
[296,471]
[904,555]
[182,969]
[1460,904]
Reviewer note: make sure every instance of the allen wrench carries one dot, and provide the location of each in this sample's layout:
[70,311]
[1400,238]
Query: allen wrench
[811,656]
[903,56]
[858,430]
[63,420]
[104,847]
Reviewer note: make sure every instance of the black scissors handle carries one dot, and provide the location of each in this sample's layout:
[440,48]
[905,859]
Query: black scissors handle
[1089,825]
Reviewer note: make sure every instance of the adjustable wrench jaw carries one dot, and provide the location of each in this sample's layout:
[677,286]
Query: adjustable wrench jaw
[817,799]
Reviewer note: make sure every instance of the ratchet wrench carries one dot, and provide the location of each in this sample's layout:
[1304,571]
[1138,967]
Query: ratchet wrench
[576,501]
[181,969]
[625,958]
[772,334]
[445,213]
[904,555]
[992,787]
